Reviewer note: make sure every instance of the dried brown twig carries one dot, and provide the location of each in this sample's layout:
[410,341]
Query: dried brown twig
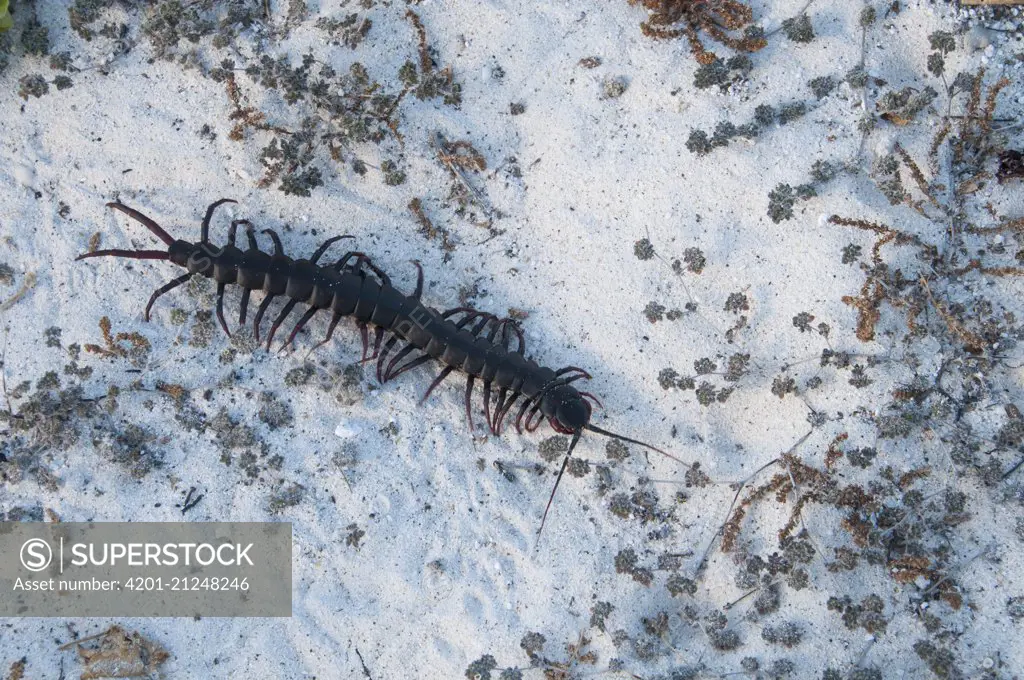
[677,18]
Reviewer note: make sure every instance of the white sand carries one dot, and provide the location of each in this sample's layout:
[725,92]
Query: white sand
[431,590]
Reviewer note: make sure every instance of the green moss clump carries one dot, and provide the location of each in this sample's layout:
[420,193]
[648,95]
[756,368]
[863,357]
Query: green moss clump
[6,21]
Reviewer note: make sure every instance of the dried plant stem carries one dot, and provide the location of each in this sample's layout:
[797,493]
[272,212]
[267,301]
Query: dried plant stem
[26,285]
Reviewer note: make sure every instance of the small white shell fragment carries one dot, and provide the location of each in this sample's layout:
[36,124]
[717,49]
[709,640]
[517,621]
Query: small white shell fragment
[24,175]
[347,430]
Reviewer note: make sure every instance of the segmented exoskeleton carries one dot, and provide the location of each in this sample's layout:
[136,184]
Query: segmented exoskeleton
[462,339]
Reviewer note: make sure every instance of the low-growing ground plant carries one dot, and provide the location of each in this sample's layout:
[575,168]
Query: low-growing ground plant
[718,19]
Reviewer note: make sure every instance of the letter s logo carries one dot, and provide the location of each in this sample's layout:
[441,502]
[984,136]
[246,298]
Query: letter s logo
[36,554]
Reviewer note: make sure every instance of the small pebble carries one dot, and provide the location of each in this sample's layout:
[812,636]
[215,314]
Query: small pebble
[346,430]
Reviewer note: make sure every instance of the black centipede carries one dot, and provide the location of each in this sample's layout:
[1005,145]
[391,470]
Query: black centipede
[477,343]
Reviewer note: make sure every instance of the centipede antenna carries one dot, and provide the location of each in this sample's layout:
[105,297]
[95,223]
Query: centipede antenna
[606,433]
[551,498]
[157,230]
[132,254]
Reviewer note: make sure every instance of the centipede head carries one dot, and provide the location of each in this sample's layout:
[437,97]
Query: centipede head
[572,411]
[196,257]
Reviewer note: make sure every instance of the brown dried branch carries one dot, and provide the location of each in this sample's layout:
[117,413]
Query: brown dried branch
[247,117]
[990,105]
[940,137]
[907,479]
[119,654]
[975,265]
[139,345]
[1016,225]
[462,154]
[670,19]
[835,452]
[919,178]
[973,343]
[426,62]
[868,306]
[428,229]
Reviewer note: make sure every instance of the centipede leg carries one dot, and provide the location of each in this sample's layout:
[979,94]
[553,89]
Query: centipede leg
[507,323]
[487,404]
[365,336]
[388,346]
[163,289]
[416,294]
[278,248]
[487,383]
[499,405]
[445,372]
[519,416]
[204,235]
[500,408]
[418,361]
[532,425]
[535,402]
[220,307]
[504,413]
[325,245]
[299,326]
[362,259]
[402,353]
[522,339]
[250,234]
[244,306]
[330,331]
[343,260]
[259,316]
[469,401]
[388,374]
[377,337]
[567,369]
[279,320]
[384,279]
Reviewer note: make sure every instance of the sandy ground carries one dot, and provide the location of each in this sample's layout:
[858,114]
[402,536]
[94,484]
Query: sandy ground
[446,570]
